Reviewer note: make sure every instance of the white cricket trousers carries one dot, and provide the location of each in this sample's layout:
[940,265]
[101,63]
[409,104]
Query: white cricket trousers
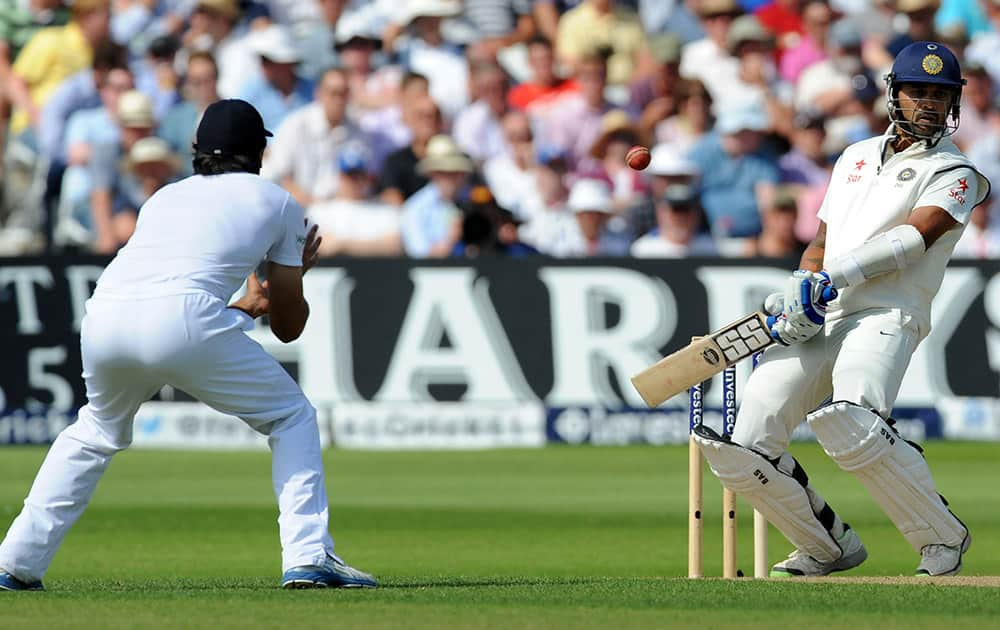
[860,358]
[130,349]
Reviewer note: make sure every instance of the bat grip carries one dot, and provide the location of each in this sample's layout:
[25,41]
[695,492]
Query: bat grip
[829,294]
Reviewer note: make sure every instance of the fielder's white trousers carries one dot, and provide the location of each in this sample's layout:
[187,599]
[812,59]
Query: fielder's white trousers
[130,349]
[860,358]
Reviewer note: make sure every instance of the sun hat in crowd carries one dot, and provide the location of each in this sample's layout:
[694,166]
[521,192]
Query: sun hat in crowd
[356,26]
[353,158]
[668,160]
[616,121]
[430,8]
[747,28]
[151,150]
[744,117]
[444,156]
[135,110]
[275,44]
[591,195]
[228,8]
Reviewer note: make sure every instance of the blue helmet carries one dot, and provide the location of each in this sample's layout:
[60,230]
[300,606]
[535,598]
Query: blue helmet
[925,62]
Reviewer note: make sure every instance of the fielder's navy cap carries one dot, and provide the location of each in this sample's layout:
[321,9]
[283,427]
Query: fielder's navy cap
[231,127]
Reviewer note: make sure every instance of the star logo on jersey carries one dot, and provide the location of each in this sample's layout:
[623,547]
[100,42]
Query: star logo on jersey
[860,164]
[958,192]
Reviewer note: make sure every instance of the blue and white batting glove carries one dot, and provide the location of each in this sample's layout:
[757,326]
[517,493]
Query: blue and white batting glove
[799,313]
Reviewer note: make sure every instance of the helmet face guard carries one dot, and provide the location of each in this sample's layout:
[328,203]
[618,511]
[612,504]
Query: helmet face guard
[926,63]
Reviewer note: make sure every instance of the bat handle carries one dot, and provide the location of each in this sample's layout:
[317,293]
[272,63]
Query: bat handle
[829,294]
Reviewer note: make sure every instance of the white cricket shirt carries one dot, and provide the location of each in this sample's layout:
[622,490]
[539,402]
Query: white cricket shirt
[205,234]
[868,195]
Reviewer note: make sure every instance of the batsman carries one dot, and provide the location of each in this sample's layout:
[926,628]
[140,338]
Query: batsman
[895,207]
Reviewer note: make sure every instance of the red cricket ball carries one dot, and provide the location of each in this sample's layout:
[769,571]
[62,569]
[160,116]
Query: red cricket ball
[637,158]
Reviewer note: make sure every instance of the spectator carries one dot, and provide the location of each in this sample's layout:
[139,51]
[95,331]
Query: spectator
[278,91]
[812,46]
[477,128]
[693,117]
[426,52]
[654,96]
[87,129]
[214,27]
[351,224]
[967,16]
[372,88]
[708,59]
[777,238]
[734,169]
[489,229]
[199,90]
[667,167]
[501,29]
[678,228]
[387,125]
[432,222]
[981,238]
[400,176]
[607,159]
[984,48]
[826,86]
[920,25]
[150,166]
[302,156]
[155,74]
[590,201]
[52,55]
[544,85]
[112,224]
[316,39]
[18,24]
[977,106]
[676,17]
[757,77]
[806,163]
[551,226]
[604,24]
[510,176]
[573,122]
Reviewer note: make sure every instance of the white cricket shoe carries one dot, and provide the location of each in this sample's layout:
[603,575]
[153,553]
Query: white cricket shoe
[942,559]
[801,564]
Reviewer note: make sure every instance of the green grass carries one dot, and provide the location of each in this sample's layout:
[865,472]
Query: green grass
[555,538]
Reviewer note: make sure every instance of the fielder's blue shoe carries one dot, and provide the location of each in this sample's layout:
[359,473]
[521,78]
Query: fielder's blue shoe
[10,583]
[333,574]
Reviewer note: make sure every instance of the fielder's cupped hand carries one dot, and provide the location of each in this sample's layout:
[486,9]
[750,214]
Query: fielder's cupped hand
[310,251]
[256,301]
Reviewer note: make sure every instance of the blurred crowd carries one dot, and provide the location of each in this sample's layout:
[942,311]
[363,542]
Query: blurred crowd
[463,128]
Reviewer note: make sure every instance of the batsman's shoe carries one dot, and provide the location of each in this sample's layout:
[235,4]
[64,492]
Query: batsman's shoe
[942,559]
[10,583]
[333,574]
[801,564]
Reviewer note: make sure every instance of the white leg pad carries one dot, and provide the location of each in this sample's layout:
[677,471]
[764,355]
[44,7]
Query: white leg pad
[776,495]
[895,473]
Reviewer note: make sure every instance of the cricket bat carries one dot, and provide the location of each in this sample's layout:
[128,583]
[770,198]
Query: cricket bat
[703,358]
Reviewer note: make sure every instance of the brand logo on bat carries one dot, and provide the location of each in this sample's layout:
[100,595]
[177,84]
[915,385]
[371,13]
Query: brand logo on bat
[742,339]
[711,356]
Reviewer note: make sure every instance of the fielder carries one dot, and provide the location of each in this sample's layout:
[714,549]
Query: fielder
[159,315]
[895,208]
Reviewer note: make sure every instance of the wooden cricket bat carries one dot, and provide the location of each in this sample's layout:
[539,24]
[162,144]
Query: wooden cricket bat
[703,358]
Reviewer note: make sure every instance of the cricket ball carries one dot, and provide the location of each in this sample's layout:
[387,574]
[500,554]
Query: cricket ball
[637,158]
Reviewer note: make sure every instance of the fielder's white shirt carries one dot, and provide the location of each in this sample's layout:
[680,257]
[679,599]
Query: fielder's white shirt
[205,234]
[868,196]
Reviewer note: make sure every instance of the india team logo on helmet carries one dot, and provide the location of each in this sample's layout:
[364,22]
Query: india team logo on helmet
[932,64]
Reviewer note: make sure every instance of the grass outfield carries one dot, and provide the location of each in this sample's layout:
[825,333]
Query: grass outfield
[555,538]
